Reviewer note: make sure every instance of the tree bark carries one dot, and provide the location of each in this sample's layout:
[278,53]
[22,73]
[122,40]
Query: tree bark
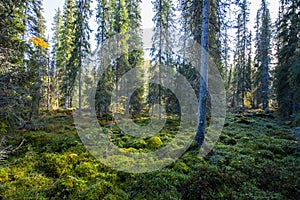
[203,73]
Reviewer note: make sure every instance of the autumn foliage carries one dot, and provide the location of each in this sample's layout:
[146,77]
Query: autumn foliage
[38,42]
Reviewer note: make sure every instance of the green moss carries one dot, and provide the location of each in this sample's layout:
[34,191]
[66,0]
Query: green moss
[86,169]
[53,164]
[26,186]
[130,149]
[250,161]
[154,142]
[181,167]
[3,174]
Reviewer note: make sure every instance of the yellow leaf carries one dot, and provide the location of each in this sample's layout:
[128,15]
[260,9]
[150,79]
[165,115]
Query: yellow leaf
[38,42]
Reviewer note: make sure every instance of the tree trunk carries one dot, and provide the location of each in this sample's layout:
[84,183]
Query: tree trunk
[48,85]
[160,61]
[80,89]
[203,73]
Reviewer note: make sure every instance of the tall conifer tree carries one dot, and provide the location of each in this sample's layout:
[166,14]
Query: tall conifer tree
[56,56]
[162,44]
[12,71]
[81,45]
[66,49]
[287,73]
[262,57]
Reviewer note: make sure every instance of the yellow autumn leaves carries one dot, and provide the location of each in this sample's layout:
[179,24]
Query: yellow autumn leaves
[38,42]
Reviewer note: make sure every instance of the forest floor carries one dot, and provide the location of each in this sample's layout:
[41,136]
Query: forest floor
[255,158]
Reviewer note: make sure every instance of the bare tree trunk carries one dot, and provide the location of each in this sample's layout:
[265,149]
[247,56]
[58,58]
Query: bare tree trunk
[203,73]
[48,85]
[66,106]
[80,88]
[160,62]
[80,65]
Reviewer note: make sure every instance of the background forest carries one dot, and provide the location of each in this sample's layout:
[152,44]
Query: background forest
[42,80]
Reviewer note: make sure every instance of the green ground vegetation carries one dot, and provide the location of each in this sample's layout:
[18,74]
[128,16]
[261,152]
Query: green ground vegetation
[255,158]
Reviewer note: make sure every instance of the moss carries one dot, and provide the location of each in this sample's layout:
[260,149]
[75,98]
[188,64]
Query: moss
[154,142]
[181,167]
[3,174]
[132,142]
[86,169]
[250,161]
[53,164]
[139,143]
[27,186]
[130,149]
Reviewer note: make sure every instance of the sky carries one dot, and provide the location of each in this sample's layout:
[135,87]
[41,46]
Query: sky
[146,11]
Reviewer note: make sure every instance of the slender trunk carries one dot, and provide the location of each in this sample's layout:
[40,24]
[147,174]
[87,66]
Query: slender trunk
[244,61]
[66,99]
[203,73]
[48,85]
[80,62]
[159,70]
[79,89]
[70,99]
[118,60]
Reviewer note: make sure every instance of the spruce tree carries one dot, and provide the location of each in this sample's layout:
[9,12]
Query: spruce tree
[36,62]
[81,46]
[262,57]
[12,71]
[162,44]
[120,28]
[242,70]
[105,21]
[135,56]
[287,71]
[56,58]
[191,15]
[66,49]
